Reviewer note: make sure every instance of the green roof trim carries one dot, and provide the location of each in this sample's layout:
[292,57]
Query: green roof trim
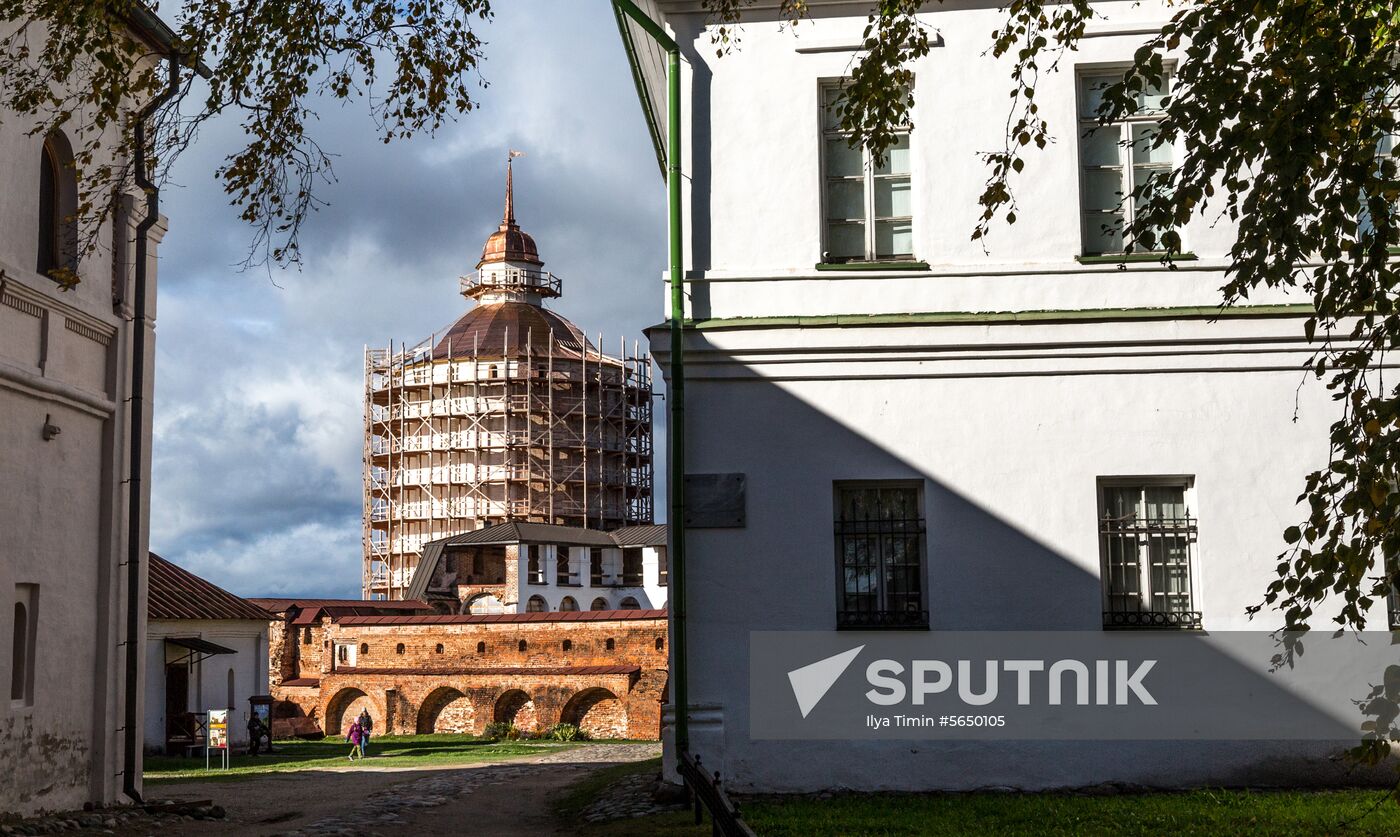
[643,94]
[872,266]
[1124,258]
[933,318]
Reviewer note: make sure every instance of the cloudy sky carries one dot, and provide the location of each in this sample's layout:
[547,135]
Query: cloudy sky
[258,379]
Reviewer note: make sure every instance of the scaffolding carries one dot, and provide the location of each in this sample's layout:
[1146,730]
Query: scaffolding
[555,433]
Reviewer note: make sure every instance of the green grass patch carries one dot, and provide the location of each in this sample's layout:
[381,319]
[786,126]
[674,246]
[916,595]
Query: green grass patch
[388,751]
[571,805]
[1206,812]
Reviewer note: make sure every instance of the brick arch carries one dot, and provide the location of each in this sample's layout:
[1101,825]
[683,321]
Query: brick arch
[344,706]
[515,706]
[598,712]
[446,709]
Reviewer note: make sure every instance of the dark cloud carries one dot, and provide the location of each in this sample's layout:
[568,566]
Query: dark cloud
[259,376]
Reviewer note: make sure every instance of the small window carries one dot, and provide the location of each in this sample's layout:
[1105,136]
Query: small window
[398,649]
[628,603]
[521,646]
[481,648]
[599,603]
[568,645]
[23,644]
[306,635]
[595,566]
[438,649]
[632,567]
[1147,538]
[610,644]
[232,690]
[364,648]
[869,209]
[568,604]
[1115,159]
[880,555]
[564,575]
[536,604]
[660,644]
[534,569]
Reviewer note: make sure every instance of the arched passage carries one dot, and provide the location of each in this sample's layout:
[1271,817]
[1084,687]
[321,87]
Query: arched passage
[597,712]
[515,707]
[345,706]
[446,709]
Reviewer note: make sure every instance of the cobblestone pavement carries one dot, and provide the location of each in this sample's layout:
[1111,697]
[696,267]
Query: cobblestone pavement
[630,796]
[505,798]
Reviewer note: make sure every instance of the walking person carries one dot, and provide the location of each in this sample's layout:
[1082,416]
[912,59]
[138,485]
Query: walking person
[366,727]
[355,736]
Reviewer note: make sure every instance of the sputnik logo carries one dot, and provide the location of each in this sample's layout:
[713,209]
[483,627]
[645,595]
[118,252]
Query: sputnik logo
[811,682]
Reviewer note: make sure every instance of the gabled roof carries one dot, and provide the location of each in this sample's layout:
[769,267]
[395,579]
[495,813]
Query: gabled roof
[177,593]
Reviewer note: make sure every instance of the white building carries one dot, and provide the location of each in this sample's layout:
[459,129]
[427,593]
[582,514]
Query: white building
[539,567]
[1015,417]
[73,498]
[205,649]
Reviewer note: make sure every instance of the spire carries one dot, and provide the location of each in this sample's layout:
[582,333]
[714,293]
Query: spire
[509,218]
[509,243]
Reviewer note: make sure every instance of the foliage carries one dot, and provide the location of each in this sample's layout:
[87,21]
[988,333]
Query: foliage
[566,732]
[72,65]
[501,731]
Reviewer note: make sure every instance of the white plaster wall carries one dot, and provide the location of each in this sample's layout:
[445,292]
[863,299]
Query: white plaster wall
[649,595]
[209,677]
[64,358]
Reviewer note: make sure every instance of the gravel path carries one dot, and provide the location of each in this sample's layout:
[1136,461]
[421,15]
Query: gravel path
[506,798]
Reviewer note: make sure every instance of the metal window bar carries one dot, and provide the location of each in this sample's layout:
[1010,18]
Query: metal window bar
[881,571]
[1148,578]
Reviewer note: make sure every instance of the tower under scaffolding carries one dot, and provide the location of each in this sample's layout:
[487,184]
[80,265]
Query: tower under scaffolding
[512,414]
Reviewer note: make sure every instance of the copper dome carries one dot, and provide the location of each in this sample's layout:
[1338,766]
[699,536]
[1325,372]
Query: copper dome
[509,243]
[507,329]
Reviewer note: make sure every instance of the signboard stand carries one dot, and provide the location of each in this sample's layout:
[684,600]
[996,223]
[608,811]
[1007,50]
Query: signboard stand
[217,738]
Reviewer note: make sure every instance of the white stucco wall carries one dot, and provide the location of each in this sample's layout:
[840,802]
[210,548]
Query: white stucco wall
[208,682]
[1008,422]
[65,361]
[649,595]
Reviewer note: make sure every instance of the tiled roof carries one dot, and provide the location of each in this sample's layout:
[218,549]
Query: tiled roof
[438,672]
[302,681]
[177,593]
[484,618]
[281,605]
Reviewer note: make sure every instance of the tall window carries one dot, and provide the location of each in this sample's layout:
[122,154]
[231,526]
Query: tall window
[632,566]
[48,211]
[868,209]
[662,572]
[1148,538]
[534,568]
[880,555]
[1116,159]
[57,199]
[595,566]
[563,572]
[25,627]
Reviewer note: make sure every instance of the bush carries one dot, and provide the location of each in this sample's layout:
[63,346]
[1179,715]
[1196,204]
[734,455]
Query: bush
[501,731]
[566,732]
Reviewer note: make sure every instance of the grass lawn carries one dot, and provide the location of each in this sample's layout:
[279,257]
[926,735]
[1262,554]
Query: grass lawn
[1234,813]
[388,751]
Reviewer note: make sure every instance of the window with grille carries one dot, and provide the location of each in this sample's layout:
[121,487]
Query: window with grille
[869,209]
[1148,540]
[1115,159]
[880,556]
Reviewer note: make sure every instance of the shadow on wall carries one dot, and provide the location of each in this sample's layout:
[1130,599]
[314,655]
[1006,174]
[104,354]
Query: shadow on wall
[984,573]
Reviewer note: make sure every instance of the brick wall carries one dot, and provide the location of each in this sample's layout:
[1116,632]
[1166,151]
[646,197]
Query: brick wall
[607,676]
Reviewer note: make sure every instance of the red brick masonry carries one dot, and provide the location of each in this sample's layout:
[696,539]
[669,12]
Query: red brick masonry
[605,671]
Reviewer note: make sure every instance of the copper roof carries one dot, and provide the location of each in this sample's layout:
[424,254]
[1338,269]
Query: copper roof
[508,329]
[490,618]
[509,243]
[176,593]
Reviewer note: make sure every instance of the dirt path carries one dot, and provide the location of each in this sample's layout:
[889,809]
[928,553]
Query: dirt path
[507,798]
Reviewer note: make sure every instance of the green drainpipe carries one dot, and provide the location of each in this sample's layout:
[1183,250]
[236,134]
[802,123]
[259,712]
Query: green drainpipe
[675,399]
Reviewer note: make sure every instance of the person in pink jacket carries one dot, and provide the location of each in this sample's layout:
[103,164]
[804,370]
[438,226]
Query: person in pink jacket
[355,736]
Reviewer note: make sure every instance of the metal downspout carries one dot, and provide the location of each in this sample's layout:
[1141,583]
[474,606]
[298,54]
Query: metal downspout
[135,504]
[675,397]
